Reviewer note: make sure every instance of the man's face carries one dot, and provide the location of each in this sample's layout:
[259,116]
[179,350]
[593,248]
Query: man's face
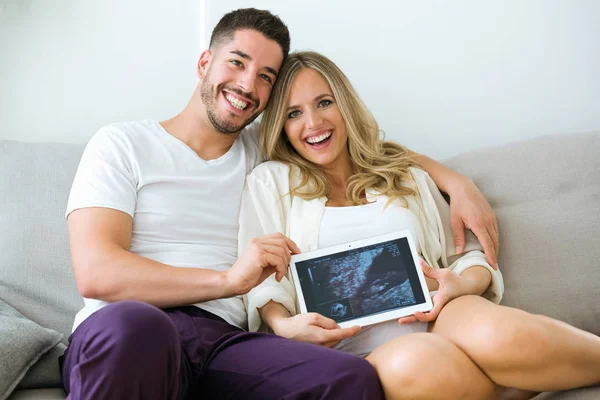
[237,79]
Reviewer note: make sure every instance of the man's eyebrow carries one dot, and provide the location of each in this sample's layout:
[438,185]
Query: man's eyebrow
[241,54]
[271,70]
[247,57]
[319,97]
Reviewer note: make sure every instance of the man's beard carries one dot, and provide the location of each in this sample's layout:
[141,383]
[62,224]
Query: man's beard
[209,96]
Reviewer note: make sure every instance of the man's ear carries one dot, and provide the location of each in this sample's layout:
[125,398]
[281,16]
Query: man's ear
[204,63]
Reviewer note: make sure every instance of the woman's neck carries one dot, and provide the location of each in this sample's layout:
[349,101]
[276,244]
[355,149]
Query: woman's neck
[338,179]
[339,171]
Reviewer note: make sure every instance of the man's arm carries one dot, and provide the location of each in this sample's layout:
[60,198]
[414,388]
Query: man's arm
[469,209]
[105,269]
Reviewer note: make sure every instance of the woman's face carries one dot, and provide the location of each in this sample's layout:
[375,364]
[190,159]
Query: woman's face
[314,124]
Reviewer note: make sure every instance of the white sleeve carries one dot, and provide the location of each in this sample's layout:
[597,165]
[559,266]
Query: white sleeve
[262,213]
[472,255]
[105,176]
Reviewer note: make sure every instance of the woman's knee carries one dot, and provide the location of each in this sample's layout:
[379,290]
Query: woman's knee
[405,362]
[505,335]
[426,366]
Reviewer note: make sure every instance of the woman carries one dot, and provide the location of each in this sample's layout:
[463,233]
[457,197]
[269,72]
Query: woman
[333,180]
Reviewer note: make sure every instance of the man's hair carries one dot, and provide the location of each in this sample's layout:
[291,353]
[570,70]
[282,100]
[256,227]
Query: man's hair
[376,163]
[262,21]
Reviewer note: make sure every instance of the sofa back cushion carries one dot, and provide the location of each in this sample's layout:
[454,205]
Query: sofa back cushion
[35,265]
[546,195]
[545,192]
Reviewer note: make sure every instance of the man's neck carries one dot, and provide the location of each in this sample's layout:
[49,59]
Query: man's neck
[199,133]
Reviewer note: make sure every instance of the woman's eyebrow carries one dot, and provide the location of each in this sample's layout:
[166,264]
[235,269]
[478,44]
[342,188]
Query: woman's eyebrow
[319,97]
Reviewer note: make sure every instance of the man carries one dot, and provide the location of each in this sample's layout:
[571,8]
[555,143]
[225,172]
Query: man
[153,224]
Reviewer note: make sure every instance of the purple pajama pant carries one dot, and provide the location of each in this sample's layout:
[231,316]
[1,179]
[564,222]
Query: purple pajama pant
[131,350]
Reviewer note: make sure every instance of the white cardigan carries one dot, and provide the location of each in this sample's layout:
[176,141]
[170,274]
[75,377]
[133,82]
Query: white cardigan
[267,207]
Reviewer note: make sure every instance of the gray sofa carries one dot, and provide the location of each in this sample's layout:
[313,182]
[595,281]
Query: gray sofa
[545,191]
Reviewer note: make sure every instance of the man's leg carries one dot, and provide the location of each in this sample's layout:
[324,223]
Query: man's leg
[127,350]
[234,364]
[263,366]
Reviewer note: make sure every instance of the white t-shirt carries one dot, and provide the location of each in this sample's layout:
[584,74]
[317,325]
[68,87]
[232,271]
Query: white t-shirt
[185,209]
[346,224]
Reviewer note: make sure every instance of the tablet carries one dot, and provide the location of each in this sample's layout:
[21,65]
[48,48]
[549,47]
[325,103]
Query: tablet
[362,282]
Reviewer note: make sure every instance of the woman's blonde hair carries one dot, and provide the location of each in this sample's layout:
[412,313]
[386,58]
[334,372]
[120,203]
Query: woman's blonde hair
[376,163]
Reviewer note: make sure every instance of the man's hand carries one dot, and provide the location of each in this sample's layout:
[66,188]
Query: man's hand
[261,258]
[469,209]
[312,328]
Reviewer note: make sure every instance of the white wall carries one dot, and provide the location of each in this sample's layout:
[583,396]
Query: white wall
[441,76]
[447,76]
[69,67]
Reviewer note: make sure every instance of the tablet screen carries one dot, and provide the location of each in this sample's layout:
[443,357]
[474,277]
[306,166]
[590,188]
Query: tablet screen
[361,281]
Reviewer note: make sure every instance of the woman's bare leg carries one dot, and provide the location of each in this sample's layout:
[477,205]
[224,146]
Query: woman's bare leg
[505,393]
[427,366]
[518,349]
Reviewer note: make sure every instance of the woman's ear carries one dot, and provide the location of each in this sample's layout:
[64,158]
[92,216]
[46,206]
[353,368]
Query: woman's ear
[204,63]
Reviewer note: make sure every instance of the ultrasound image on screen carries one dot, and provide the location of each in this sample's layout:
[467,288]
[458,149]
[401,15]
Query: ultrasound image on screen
[361,282]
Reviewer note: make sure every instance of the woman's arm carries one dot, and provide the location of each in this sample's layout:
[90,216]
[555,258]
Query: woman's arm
[311,327]
[262,212]
[476,280]
[469,208]
[271,312]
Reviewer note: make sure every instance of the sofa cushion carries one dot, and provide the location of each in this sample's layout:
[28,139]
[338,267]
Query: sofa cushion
[22,342]
[35,268]
[45,373]
[38,394]
[546,195]
[587,393]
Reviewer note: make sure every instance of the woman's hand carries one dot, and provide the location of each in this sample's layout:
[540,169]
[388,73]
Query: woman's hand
[451,286]
[312,328]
